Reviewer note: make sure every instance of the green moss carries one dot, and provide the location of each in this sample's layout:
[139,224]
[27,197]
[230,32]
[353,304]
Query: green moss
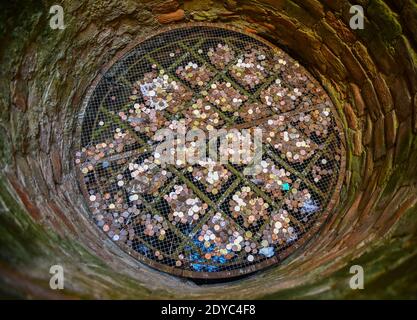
[385,19]
[26,247]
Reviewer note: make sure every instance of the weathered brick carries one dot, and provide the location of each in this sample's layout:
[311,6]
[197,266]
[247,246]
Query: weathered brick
[166,7]
[307,39]
[379,139]
[336,5]
[367,136]
[357,143]
[358,100]
[330,38]
[369,166]
[343,30]
[371,100]
[352,64]
[391,126]
[407,59]
[404,140]
[171,17]
[384,95]
[337,70]
[385,20]
[313,6]
[402,97]
[409,12]
[386,167]
[362,54]
[305,17]
[350,117]
[284,23]
[382,56]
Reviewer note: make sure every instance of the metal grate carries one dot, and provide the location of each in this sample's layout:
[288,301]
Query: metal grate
[208,220]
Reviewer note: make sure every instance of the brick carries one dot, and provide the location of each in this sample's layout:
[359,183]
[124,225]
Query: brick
[402,97]
[298,12]
[357,143]
[379,139]
[350,117]
[166,7]
[369,167]
[382,56]
[407,59]
[336,5]
[386,168]
[337,70]
[362,54]
[352,64]
[391,126]
[313,6]
[371,100]
[358,100]
[306,39]
[403,143]
[171,17]
[409,12]
[330,38]
[386,21]
[342,30]
[384,95]
[367,136]
[32,209]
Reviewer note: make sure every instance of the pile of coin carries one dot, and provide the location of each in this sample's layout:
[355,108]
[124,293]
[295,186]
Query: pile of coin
[252,68]
[280,98]
[224,96]
[160,92]
[186,208]
[278,231]
[276,181]
[143,119]
[319,171]
[203,116]
[297,199]
[211,174]
[238,147]
[154,225]
[225,239]
[147,177]
[246,204]
[91,156]
[194,74]
[111,212]
[221,55]
[288,140]
[254,111]
[316,122]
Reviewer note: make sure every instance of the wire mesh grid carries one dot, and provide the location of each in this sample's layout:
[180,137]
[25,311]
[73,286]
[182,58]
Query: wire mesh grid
[208,219]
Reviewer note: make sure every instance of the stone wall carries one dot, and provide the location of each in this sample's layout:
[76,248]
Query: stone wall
[370,74]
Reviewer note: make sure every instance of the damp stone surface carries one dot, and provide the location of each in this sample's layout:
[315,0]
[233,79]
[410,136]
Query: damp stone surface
[370,75]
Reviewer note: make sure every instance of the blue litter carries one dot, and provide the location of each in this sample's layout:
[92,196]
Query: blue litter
[286,186]
[197,267]
[267,252]
[309,206]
